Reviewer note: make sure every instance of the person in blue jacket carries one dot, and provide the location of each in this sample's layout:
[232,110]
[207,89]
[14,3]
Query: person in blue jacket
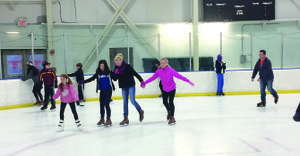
[266,77]
[106,86]
[220,70]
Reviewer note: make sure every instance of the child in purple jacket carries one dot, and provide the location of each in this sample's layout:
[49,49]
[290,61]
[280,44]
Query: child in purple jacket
[166,74]
[67,94]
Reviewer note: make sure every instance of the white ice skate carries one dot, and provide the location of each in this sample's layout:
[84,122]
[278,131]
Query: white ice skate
[60,126]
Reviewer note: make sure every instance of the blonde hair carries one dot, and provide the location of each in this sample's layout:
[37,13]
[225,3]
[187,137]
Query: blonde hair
[119,56]
[165,59]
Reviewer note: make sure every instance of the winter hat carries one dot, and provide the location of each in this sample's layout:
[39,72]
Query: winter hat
[219,57]
[45,62]
[29,63]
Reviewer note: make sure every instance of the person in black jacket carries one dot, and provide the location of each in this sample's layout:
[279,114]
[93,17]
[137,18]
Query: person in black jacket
[266,76]
[220,70]
[106,86]
[33,73]
[124,73]
[79,78]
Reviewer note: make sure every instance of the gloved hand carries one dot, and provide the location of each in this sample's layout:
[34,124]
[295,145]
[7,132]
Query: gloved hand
[55,84]
[143,84]
[117,71]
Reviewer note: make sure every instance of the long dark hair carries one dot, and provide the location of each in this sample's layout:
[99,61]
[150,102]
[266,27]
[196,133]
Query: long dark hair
[106,68]
[69,82]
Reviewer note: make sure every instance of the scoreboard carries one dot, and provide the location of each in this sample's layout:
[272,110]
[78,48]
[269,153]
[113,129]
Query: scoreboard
[238,10]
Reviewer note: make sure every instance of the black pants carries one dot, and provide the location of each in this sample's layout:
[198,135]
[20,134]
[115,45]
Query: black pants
[37,92]
[169,105]
[49,92]
[63,107]
[105,97]
[80,92]
[161,86]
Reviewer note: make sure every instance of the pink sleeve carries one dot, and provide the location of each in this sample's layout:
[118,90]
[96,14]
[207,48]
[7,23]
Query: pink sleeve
[154,76]
[57,94]
[179,76]
[74,94]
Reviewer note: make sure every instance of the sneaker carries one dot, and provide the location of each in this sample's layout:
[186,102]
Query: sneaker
[77,122]
[261,104]
[276,99]
[44,107]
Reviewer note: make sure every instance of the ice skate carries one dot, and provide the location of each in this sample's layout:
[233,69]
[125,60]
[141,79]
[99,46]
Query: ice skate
[172,121]
[52,108]
[37,102]
[60,126]
[219,94]
[44,107]
[125,122]
[78,124]
[101,122]
[168,116]
[141,115]
[261,104]
[276,99]
[222,93]
[108,123]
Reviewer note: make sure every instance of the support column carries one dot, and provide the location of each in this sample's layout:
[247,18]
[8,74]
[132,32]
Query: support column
[195,35]
[50,32]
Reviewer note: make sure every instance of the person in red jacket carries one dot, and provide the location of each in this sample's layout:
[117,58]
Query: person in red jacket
[48,76]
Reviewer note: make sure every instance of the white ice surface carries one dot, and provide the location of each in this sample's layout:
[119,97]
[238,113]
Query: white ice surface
[208,126]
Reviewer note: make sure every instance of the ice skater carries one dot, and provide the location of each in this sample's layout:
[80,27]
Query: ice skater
[105,85]
[220,70]
[266,77]
[49,77]
[67,94]
[124,73]
[80,86]
[166,75]
[33,73]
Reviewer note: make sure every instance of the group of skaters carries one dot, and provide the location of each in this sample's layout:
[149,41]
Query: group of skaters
[124,73]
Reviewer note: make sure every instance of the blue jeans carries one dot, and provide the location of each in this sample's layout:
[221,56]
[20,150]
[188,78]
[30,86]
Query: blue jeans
[263,85]
[131,92]
[220,82]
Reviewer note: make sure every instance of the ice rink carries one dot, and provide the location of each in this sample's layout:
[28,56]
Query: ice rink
[206,126]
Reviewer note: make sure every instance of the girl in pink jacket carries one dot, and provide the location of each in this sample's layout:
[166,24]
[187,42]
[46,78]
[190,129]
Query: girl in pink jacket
[166,74]
[67,94]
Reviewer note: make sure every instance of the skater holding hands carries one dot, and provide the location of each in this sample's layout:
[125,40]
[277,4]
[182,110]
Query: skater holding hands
[67,94]
[124,73]
[166,75]
[105,85]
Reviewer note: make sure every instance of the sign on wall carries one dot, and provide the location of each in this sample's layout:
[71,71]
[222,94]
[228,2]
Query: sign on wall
[14,64]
